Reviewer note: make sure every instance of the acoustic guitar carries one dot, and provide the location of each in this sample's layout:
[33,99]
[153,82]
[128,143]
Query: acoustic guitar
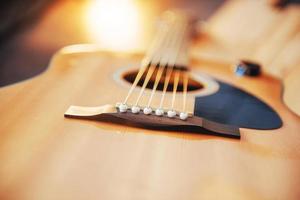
[161,125]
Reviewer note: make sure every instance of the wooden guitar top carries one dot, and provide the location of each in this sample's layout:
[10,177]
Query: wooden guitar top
[46,156]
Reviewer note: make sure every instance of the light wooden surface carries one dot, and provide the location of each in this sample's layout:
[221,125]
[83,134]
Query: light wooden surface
[253,30]
[257,31]
[45,156]
[291,90]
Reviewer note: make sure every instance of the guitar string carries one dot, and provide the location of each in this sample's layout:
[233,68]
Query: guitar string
[148,76]
[185,84]
[146,61]
[175,85]
[185,74]
[177,72]
[167,80]
[175,47]
[156,61]
[157,79]
[170,71]
[166,83]
[164,62]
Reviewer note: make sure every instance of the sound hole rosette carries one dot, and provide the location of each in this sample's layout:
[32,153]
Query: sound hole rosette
[210,86]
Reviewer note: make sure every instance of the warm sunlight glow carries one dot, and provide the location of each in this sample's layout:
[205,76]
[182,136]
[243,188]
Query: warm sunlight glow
[114,24]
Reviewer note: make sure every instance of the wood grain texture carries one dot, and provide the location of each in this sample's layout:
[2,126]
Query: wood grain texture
[291,95]
[45,156]
[254,30]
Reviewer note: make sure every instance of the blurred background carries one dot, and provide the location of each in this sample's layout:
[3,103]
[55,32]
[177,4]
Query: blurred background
[32,30]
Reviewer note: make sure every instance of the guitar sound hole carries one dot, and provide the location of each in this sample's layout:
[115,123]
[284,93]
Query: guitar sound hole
[193,85]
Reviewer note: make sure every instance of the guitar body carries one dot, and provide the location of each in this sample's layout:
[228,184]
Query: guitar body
[44,155]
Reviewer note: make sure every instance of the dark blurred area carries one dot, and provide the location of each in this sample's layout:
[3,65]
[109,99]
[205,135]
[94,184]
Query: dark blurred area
[32,30]
[17,14]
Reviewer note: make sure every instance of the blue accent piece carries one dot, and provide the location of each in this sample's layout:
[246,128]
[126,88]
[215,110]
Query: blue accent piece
[240,71]
[234,106]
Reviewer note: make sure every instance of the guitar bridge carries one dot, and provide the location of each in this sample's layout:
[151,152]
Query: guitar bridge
[192,124]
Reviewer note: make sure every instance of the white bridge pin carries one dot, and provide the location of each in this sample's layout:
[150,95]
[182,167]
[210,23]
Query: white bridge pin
[171,113]
[159,112]
[123,107]
[183,115]
[135,109]
[147,110]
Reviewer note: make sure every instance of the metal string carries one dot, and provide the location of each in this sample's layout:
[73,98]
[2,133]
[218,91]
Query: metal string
[175,85]
[164,60]
[156,61]
[171,64]
[148,76]
[164,53]
[185,84]
[158,39]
